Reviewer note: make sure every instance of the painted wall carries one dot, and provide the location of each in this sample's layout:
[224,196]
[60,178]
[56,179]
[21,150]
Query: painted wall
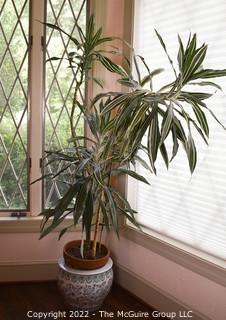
[26,248]
[189,288]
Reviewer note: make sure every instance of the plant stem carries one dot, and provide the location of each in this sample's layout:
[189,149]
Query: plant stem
[74,103]
[73,135]
[94,246]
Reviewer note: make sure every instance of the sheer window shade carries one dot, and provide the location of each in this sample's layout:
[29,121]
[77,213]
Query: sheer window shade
[191,209]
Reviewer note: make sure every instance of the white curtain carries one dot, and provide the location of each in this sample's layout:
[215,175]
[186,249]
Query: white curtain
[191,209]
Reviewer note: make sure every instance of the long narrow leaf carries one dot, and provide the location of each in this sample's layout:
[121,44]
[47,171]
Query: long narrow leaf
[191,153]
[201,117]
[153,141]
[167,123]
[112,210]
[131,173]
[164,48]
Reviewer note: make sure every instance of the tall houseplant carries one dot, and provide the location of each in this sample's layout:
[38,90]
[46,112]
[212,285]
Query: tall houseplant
[143,120]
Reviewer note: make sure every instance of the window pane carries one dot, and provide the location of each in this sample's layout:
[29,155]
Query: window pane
[187,208]
[14,35]
[59,88]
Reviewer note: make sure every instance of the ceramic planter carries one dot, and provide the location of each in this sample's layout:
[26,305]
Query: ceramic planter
[85,289]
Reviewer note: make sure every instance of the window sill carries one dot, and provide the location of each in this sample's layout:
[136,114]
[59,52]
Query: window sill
[27,225]
[205,265]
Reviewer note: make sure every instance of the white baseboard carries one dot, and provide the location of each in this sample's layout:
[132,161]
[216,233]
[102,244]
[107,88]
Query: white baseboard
[11,271]
[152,295]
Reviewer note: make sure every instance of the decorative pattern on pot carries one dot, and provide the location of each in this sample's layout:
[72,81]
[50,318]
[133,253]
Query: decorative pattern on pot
[85,289]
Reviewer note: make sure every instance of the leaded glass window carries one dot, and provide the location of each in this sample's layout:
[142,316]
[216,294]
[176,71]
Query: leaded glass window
[59,88]
[14,45]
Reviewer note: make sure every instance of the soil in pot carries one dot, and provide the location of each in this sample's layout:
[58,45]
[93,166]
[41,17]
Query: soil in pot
[73,258]
[76,252]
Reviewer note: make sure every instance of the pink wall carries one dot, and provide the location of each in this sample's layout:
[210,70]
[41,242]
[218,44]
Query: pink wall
[195,291]
[26,248]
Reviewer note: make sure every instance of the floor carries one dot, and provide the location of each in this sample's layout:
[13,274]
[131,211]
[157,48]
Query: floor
[32,300]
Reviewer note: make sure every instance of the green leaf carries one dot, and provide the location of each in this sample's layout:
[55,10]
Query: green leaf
[142,162]
[77,138]
[90,31]
[167,123]
[96,38]
[144,63]
[121,200]
[188,118]
[50,228]
[131,218]
[80,203]
[121,99]
[137,137]
[137,69]
[191,152]
[55,27]
[131,173]
[209,73]
[65,201]
[164,48]
[88,213]
[149,77]
[129,83]
[53,59]
[111,66]
[180,56]
[153,141]
[179,130]
[197,97]
[104,214]
[112,210]
[200,116]
[194,63]
[63,231]
[105,39]
[206,83]
[164,155]
[175,142]
[48,175]
[82,164]
[214,116]
[200,131]
[61,171]
[98,82]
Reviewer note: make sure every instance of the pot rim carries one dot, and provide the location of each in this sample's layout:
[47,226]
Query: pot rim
[105,268]
[68,244]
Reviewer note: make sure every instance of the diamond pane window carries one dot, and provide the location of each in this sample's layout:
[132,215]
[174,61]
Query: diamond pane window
[59,88]
[14,36]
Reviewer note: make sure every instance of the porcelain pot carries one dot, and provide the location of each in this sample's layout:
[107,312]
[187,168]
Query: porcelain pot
[85,289]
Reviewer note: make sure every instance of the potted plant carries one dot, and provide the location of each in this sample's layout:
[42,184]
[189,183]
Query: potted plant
[143,120]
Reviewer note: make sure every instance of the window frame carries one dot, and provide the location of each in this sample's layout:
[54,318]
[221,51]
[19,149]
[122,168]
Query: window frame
[35,111]
[8,212]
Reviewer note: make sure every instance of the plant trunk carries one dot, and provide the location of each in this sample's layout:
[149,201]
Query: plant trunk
[72,115]
[94,246]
